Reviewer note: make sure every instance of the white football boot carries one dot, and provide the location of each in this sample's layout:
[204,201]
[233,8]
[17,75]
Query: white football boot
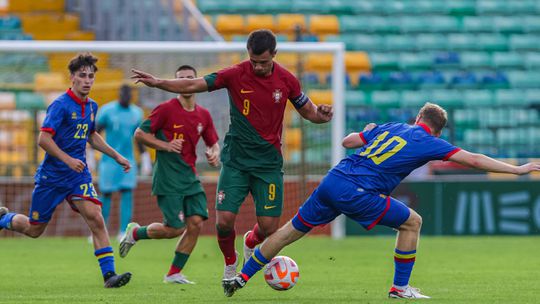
[406,293]
[127,240]
[177,278]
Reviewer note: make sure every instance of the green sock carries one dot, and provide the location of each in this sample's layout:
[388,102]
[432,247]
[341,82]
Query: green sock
[180,259]
[141,233]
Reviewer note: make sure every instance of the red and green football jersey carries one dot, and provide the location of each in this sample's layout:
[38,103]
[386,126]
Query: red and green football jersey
[175,173]
[257,107]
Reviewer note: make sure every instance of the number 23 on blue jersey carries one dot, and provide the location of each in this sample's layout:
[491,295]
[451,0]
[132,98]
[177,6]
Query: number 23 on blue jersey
[381,145]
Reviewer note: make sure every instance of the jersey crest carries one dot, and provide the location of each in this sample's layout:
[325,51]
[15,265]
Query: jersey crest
[199,128]
[277,95]
[73,115]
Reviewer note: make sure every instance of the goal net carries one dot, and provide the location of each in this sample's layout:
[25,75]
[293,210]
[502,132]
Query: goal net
[34,73]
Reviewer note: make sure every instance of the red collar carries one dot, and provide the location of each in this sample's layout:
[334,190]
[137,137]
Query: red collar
[425,127]
[74,97]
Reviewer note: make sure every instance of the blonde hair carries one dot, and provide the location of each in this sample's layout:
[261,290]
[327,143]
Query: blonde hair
[435,116]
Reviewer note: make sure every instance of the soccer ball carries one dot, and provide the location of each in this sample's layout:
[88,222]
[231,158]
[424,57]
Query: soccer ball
[281,273]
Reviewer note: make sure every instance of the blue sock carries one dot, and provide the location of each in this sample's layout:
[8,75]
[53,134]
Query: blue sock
[5,221]
[106,207]
[105,258]
[403,262]
[126,209]
[255,263]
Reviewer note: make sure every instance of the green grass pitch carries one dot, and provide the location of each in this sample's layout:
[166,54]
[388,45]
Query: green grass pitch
[360,270]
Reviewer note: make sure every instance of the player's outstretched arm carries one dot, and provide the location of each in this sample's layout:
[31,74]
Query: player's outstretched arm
[151,141]
[486,163]
[46,142]
[181,85]
[352,141]
[97,142]
[316,114]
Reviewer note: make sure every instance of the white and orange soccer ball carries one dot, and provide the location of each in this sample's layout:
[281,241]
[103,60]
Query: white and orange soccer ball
[281,273]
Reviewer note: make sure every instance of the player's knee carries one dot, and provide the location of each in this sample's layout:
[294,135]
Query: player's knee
[35,232]
[195,226]
[415,221]
[224,227]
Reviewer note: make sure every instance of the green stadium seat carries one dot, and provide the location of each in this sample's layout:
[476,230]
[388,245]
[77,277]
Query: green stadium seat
[385,99]
[510,24]
[478,137]
[368,43]
[532,60]
[415,61]
[460,7]
[522,79]
[475,60]
[447,98]
[354,24]
[460,42]
[491,7]
[356,98]
[532,96]
[308,6]
[414,99]
[532,23]
[414,24]
[522,6]
[29,101]
[478,98]
[212,6]
[384,61]
[427,7]
[367,7]
[477,24]
[524,42]
[492,42]
[440,24]
[465,118]
[339,7]
[510,97]
[272,7]
[398,7]
[399,43]
[384,24]
[240,6]
[507,60]
[512,136]
[348,39]
[431,42]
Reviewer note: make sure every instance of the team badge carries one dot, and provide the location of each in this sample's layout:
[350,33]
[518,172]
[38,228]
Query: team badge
[73,115]
[220,196]
[199,128]
[92,117]
[35,215]
[181,216]
[277,95]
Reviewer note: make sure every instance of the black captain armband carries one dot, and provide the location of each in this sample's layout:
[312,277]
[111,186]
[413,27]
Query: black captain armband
[300,101]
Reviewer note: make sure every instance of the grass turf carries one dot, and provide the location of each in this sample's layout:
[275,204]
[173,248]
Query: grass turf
[450,269]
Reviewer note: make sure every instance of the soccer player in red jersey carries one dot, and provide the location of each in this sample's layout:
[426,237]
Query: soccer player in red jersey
[252,161]
[173,129]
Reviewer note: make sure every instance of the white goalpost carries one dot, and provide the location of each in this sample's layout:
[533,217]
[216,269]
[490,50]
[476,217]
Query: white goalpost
[154,53]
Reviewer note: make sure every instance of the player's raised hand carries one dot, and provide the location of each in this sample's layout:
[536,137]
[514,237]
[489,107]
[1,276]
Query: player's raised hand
[325,112]
[528,168]
[124,163]
[213,157]
[75,164]
[143,77]
[175,145]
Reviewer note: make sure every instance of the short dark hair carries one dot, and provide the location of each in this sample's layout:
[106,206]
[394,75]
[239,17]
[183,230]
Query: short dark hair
[82,60]
[186,67]
[435,116]
[260,41]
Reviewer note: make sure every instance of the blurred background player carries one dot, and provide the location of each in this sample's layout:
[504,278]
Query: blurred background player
[360,185]
[63,175]
[174,129]
[252,161]
[119,119]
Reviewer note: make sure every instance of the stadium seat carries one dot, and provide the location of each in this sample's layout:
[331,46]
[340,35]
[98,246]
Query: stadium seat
[507,60]
[357,62]
[522,79]
[532,24]
[460,7]
[354,24]
[356,98]
[479,137]
[287,23]
[510,24]
[339,7]
[532,96]
[446,60]
[471,60]
[239,6]
[230,24]
[309,7]
[10,22]
[464,80]
[524,42]
[432,42]
[310,80]
[494,80]
[431,80]
[323,25]
[491,7]
[477,24]
[466,118]
[347,80]
[414,99]
[399,43]
[29,101]
[401,81]
[443,24]
[385,25]
[272,7]
[7,101]
[367,43]
[509,97]
[367,7]
[254,22]
[320,96]
[319,62]
[478,98]
[522,7]
[384,61]
[385,99]
[491,42]
[460,42]
[447,98]
[532,60]
[371,81]
[415,61]
[50,82]
[414,24]
[397,7]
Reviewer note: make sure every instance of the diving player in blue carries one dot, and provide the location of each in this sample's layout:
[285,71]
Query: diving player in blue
[119,119]
[63,175]
[360,187]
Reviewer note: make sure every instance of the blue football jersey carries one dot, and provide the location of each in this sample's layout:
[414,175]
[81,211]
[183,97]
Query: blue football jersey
[390,153]
[70,121]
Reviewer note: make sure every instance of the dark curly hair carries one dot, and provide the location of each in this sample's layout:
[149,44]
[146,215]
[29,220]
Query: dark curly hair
[82,60]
